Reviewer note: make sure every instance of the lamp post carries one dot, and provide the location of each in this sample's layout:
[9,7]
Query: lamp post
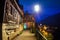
[37,8]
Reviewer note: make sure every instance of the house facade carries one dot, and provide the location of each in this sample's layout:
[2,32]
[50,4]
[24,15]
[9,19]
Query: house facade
[12,20]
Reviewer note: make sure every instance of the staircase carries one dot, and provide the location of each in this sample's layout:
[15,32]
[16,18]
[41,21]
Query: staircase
[26,35]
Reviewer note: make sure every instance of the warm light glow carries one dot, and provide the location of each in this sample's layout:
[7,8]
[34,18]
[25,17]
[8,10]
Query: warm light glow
[45,27]
[45,33]
[37,8]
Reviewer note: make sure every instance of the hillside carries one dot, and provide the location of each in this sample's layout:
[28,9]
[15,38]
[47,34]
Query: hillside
[53,20]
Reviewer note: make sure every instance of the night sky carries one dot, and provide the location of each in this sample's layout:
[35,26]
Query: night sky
[49,7]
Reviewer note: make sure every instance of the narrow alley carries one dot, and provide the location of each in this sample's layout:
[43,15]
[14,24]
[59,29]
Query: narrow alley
[26,35]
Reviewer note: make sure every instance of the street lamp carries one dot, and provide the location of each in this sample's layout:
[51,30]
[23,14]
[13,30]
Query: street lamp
[37,8]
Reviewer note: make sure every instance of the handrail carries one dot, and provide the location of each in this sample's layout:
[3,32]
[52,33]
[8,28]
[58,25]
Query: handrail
[41,34]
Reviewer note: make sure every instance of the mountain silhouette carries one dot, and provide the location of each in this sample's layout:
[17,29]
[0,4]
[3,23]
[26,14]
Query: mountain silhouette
[53,20]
